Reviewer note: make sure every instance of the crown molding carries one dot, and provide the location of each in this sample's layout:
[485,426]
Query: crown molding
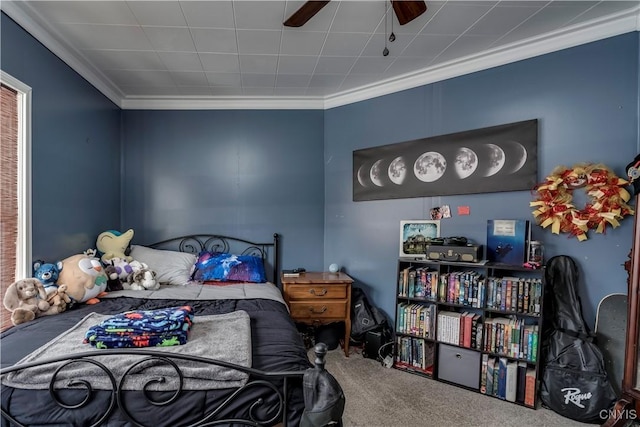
[32,22]
[609,26]
[221,103]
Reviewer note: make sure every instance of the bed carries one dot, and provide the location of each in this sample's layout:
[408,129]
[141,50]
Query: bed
[257,380]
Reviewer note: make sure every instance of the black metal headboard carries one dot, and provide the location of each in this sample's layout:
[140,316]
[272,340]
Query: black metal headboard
[196,243]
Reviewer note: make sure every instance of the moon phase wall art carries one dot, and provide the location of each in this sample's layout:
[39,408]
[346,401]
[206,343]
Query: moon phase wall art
[493,159]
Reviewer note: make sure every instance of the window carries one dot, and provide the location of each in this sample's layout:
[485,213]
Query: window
[15,184]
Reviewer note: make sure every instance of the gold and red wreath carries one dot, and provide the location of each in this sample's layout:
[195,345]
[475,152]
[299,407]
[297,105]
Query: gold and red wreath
[607,204]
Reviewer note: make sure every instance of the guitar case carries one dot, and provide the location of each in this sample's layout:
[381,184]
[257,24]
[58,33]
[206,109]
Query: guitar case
[574,381]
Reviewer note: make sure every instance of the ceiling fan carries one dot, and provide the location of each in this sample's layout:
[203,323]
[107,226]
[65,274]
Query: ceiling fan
[406,11]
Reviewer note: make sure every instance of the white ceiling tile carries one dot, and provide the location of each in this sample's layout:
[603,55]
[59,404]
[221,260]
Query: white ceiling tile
[371,64]
[344,44]
[86,12]
[301,42]
[225,91]
[150,90]
[334,64]
[357,80]
[150,47]
[215,40]
[466,45]
[455,17]
[92,36]
[258,64]
[165,12]
[189,78]
[124,59]
[296,64]
[500,20]
[220,62]
[604,8]
[547,19]
[194,91]
[292,80]
[140,78]
[263,15]
[208,14]
[428,45]
[258,41]
[289,91]
[181,61]
[171,39]
[378,41]
[224,79]
[326,80]
[404,65]
[257,91]
[359,16]
[258,80]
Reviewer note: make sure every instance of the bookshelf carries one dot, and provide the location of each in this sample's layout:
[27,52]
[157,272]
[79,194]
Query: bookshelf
[474,325]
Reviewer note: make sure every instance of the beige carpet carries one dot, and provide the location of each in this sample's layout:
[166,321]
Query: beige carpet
[378,396]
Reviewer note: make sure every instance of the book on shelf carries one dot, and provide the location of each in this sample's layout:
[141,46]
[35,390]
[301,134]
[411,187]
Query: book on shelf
[530,387]
[483,373]
[522,377]
[512,381]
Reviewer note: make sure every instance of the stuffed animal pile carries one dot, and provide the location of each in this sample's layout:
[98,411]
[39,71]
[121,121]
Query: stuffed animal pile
[81,278]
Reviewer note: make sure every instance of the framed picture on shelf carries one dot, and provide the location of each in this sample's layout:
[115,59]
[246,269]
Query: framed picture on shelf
[508,240]
[415,236]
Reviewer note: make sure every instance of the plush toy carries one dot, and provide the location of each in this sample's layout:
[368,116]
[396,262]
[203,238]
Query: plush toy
[85,278]
[113,281]
[26,299]
[58,298]
[48,274]
[143,280]
[112,244]
[123,268]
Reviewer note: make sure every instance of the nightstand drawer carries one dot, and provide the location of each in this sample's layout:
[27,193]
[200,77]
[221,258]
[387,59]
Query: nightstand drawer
[306,292]
[301,310]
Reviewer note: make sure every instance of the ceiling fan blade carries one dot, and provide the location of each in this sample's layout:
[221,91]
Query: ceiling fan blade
[407,11]
[306,12]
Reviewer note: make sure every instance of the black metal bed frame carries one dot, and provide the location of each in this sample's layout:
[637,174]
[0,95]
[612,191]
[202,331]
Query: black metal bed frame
[196,243]
[116,399]
[258,378]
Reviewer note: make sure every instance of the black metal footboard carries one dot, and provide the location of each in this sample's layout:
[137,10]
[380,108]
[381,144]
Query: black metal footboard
[275,384]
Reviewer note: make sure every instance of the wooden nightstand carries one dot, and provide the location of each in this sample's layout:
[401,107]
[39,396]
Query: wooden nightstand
[320,298]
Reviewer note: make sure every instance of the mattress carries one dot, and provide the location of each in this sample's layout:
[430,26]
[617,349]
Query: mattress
[276,346]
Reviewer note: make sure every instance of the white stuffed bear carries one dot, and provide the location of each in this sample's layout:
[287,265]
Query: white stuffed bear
[143,280]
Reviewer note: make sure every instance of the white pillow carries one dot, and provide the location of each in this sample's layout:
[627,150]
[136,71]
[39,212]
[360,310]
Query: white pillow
[171,267]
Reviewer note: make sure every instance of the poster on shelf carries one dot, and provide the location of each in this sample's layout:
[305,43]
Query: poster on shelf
[415,236]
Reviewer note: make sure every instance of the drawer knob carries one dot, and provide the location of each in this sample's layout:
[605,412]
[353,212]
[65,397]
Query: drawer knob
[322,310]
[319,294]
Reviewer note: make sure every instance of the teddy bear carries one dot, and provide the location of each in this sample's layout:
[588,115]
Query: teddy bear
[26,299]
[113,280]
[58,298]
[113,244]
[85,278]
[143,280]
[48,274]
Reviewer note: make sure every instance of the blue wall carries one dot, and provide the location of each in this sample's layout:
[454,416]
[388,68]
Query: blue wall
[75,148]
[586,101]
[239,173]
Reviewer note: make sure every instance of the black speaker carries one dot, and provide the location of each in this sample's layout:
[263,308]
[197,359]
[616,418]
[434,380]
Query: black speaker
[373,340]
